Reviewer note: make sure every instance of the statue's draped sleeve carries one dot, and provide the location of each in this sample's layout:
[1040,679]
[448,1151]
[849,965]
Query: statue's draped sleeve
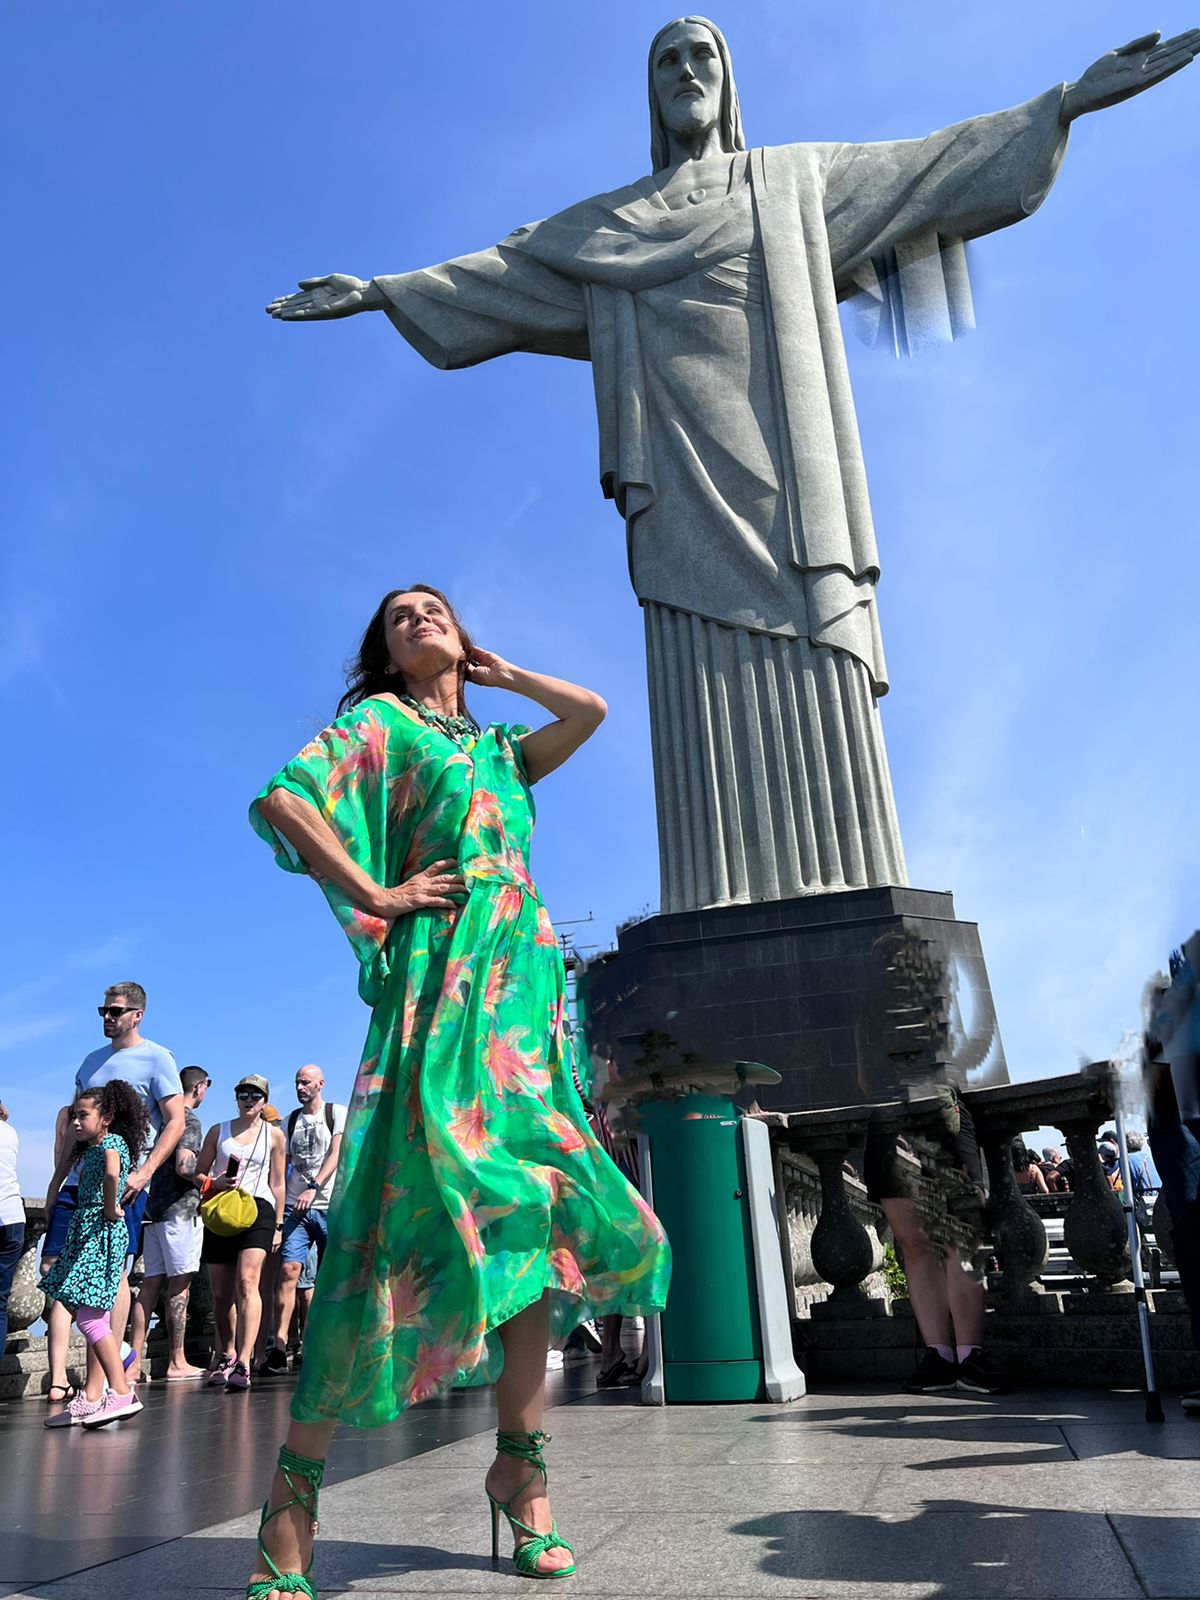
[492,303]
[882,222]
[898,213]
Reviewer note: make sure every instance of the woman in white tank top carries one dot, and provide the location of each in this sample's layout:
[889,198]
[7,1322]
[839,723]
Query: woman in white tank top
[247,1160]
[248,1154]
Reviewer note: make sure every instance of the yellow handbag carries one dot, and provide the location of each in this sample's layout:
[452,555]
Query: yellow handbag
[232,1211]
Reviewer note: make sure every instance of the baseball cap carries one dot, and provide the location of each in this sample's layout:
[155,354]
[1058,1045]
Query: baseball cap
[253,1080]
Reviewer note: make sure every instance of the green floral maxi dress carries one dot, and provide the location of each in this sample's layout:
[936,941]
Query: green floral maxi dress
[469,1183]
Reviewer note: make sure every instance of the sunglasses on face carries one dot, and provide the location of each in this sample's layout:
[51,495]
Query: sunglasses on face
[114,1011]
[249,1094]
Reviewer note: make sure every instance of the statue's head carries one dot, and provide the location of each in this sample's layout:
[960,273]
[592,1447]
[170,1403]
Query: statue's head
[691,87]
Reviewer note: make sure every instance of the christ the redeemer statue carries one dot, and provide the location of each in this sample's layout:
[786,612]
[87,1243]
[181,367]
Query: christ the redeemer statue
[705,297]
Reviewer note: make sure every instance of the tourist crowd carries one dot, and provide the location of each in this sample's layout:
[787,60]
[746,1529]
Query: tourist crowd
[248,1201]
[135,1174]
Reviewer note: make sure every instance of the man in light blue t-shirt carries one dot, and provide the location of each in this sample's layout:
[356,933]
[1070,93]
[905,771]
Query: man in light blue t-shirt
[151,1070]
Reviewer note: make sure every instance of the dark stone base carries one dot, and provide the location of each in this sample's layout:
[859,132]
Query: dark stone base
[804,986]
[1092,1353]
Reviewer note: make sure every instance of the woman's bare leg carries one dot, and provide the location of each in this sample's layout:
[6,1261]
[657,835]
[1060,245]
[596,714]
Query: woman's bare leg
[58,1341]
[966,1301]
[925,1271]
[289,1536]
[249,1303]
[221,1280]
[520,1407]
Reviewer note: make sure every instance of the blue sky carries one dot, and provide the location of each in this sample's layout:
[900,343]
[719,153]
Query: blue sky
[201,507]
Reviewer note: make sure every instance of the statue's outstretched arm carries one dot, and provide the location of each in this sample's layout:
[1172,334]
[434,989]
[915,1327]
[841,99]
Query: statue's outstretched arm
[322,299]
[1122,73]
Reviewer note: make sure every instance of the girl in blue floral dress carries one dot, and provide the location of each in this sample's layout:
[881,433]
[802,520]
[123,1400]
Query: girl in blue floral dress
[109,1123]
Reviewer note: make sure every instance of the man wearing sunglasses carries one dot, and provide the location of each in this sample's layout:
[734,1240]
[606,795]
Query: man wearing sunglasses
[151,1070]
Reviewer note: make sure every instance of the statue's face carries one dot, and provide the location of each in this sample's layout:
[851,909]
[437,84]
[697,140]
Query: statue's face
[688,78]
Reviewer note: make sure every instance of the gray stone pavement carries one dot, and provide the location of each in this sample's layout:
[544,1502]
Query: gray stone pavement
[843,1494]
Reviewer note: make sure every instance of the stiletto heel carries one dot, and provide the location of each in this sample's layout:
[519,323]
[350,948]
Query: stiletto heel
[290,1582]
[529,1549]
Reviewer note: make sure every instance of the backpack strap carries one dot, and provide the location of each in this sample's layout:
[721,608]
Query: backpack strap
[291,1121]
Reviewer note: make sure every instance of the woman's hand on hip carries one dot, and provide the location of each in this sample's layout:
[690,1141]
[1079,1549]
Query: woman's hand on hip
[439,886]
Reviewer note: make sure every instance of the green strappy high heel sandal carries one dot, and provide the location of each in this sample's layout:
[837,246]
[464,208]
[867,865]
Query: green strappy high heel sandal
[527,1447]
[305,1496]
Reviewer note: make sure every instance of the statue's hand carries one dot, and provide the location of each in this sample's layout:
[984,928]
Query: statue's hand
[322,299]
[1125,72]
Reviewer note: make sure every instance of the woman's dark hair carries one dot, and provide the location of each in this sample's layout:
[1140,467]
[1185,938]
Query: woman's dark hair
[370,670]
[1022,1160]
[123,1106]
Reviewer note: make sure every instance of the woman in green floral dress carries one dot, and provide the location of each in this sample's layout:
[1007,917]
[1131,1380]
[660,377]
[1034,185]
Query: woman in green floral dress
[475,1217]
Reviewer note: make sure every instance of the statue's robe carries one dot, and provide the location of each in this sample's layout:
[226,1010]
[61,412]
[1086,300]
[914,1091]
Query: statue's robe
[706,301]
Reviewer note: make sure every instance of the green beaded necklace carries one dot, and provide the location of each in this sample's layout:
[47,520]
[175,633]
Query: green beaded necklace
[457,728]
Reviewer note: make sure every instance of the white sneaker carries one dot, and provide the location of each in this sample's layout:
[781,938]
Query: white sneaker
[554,1360]
[74,1411]
[116,1408]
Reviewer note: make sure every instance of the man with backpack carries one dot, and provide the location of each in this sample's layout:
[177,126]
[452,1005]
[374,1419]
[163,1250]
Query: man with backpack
[314,1143]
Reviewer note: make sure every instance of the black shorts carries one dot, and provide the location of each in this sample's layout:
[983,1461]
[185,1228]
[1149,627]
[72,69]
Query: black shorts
[223,1249]
[890,1177]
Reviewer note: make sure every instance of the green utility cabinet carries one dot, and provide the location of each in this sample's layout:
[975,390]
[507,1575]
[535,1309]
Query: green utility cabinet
[711,1342]
[709,1190]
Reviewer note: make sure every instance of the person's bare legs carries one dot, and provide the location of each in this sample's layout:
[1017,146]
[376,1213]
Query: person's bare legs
[267,1285]
[288,1537]
[285,1300]
[106,1354]
[178,1291]
[249,1303]
[520,1406]
[139,1321]
[94,1380]
[612,1353]
[222,1280]
[120,1311]
[967,1310]
[58,1343]
[924,1271]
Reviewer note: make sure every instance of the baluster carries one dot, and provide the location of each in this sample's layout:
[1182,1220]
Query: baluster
[841,1247]
[1094,1226]
[1018,1233]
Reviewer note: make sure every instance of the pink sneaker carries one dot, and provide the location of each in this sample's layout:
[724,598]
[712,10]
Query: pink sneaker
[238,1377]
[216,1378]
[77,1409]
[116,1408]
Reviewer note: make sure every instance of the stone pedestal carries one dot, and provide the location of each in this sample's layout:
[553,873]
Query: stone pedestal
[810,986]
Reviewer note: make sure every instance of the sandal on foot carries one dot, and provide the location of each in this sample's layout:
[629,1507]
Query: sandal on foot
[69,1392]
[305,1496]
[530,1545]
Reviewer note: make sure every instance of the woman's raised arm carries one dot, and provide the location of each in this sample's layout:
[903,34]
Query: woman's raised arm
[579,711]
